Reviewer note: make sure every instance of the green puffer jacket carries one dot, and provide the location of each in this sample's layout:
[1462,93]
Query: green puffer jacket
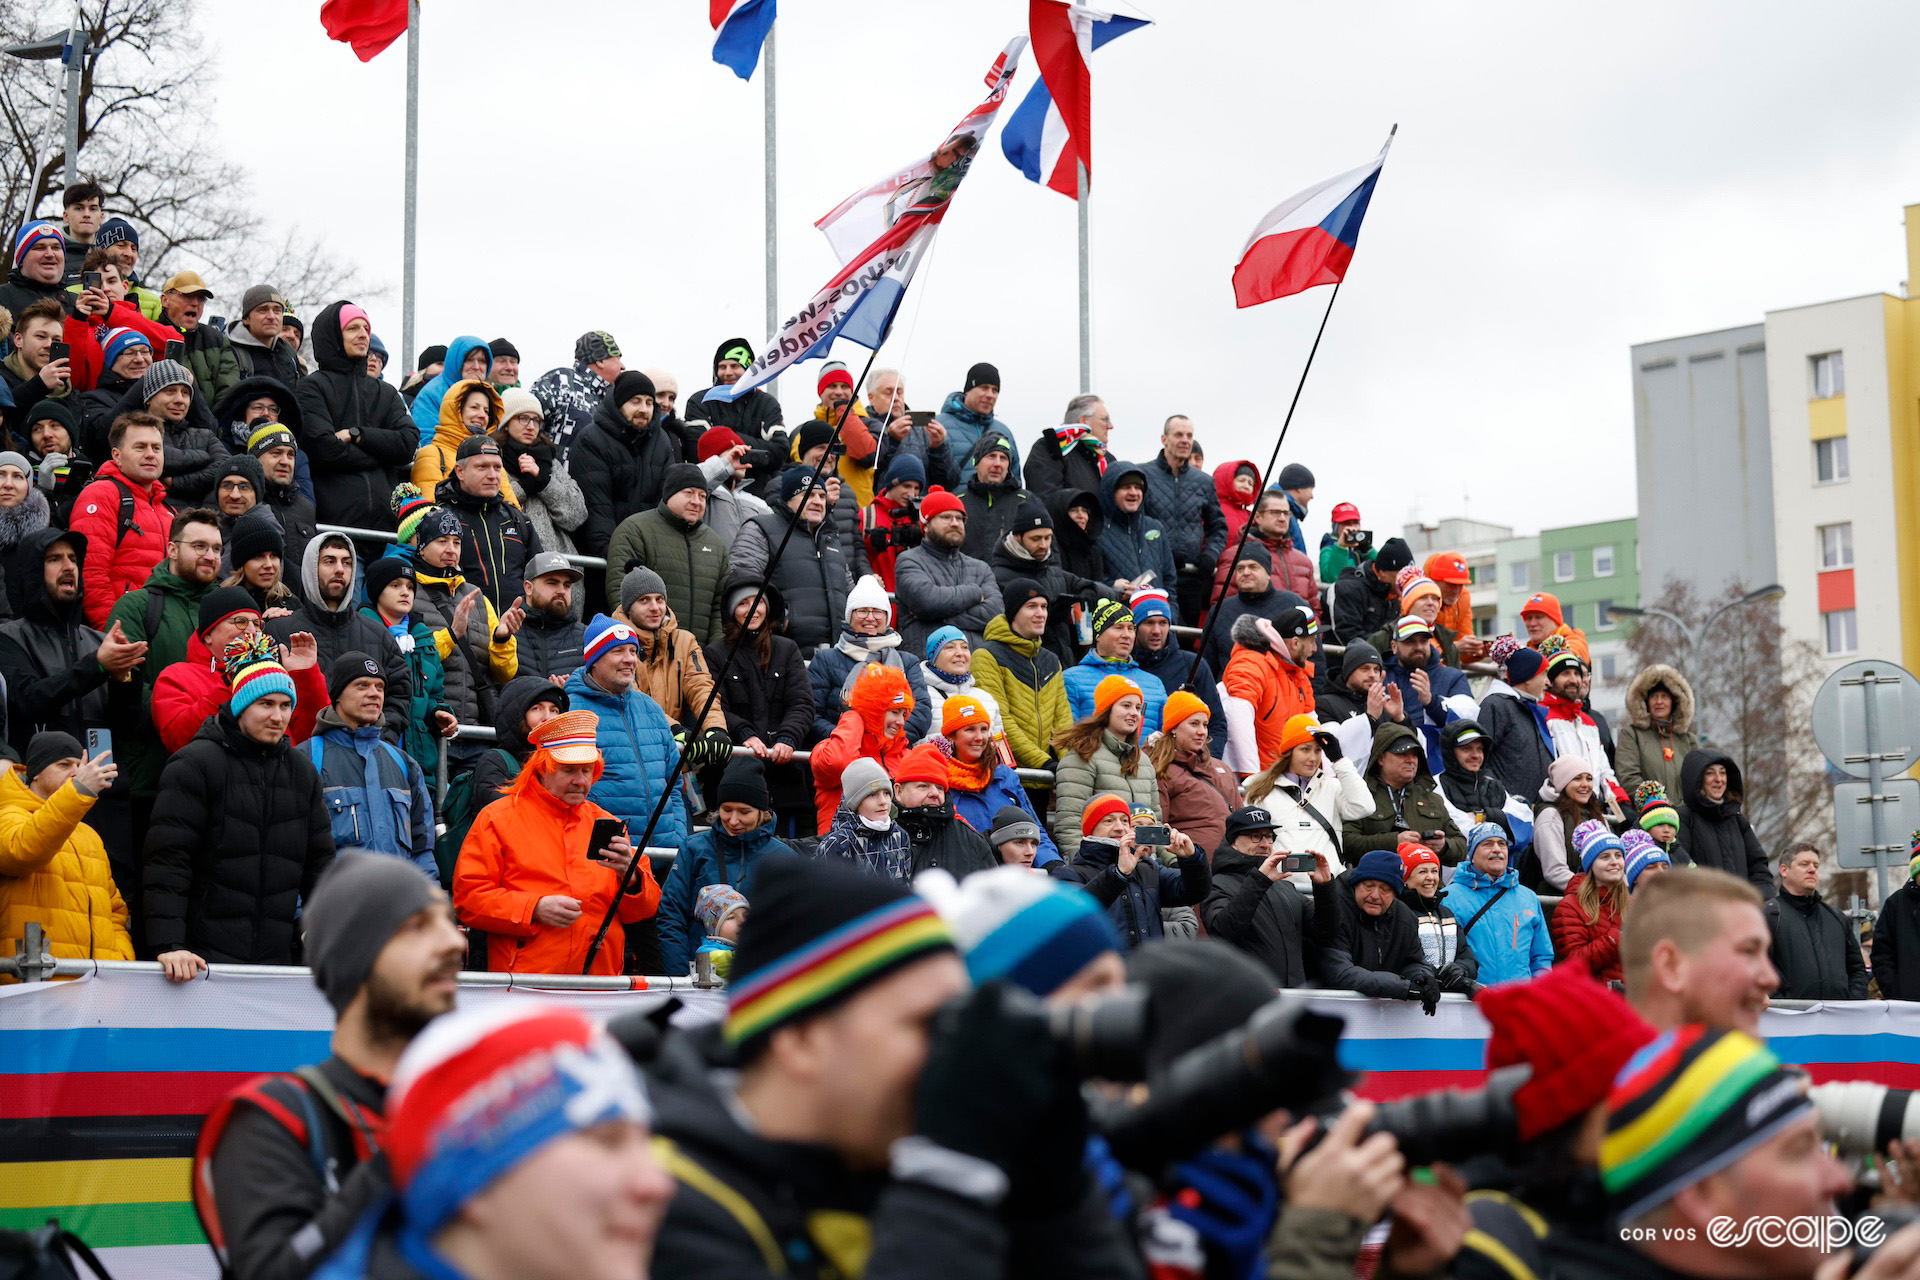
[1078,781]
[143,756]
[216,370]
[1029,684]
[691,559]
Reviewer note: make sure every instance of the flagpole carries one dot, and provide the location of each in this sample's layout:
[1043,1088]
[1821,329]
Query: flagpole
[407,349]
[1086,311]
[773,245]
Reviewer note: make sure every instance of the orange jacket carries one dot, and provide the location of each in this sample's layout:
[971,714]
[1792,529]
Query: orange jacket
[1576,640]
[1277,689]
[1458,617]
[850,740]
[527,846]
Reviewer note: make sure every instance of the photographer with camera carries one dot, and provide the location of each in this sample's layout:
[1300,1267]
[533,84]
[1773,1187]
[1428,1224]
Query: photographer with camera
[892,524]
[1370,942]
[847,1105]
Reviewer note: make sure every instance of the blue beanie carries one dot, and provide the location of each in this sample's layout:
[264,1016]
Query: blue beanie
[903,468]
[941,638]
[1380,864]
[1151,604]
[1481,832]
[1029,929]
[120,340]
[116,231]
[1591,839]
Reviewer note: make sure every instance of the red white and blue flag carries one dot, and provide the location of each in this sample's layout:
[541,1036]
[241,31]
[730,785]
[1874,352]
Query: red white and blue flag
[739,29]
[1308,240]
[1050,133]
[881,233]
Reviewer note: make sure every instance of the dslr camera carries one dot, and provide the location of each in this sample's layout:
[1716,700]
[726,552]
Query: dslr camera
[1358,541]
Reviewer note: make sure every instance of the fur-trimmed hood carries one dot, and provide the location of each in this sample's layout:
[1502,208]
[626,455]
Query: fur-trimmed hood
[1676,684]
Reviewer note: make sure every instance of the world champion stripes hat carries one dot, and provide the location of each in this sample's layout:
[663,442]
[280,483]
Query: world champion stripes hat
[1685,1107]
[819,933]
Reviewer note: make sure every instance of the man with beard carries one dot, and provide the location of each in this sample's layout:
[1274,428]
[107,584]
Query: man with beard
[620,461]
[329,568]
[553,640]
[272,446]
[1027,551]
[755,415]
[383,947]
[936,584]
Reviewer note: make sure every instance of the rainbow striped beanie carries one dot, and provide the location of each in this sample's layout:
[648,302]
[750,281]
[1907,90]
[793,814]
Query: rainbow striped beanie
[819,933]
[409,507]
[1685,1107]
[252,664]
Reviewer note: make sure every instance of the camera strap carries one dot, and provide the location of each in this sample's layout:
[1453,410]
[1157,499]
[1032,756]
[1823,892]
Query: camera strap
[1484,908]
[1321,818]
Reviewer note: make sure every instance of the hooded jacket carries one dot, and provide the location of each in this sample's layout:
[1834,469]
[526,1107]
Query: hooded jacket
[1649,752]
[256,360]
[191,691]
[1511,938]
[1359,603]
[1064,591]
[1420,807]
[965,427]
[991,508]
[708,857]
[47,657]
[1084,677]
[1077,549]
[1270,920]
[239,837]
[831,672]
[755,415]
[1593,945]
[673,673]
[117,563]
[690,558]
[1134,902]
[1078,779]
[413,640]
[1896,945]
[1815,950]
[1479,797]
[935,587]
[353,479]
[1716,833]
[341,628]
[636,743]
[498,544]
[427,416]
[1173,666]
[376,795]
[1235,509]
[1187,504]
[856,735]
[1025,679]
[1135,543]
[195,448]
[887,853]
[1267,681]
[812,574]
[1519,751]
[1374,955]
[54,870]
[435,459]
[292,504]
[492,775]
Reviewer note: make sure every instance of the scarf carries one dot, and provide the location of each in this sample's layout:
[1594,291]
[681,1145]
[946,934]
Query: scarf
[1079,433]
[961,776]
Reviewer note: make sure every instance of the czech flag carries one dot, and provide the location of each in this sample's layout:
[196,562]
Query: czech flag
[368,25]
[1051,131]
[739,29]
[1307,241]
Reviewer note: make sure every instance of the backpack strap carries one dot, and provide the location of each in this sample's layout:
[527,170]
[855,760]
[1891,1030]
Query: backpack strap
[156,612]
[690,1174]
[295,1114]
[128,524]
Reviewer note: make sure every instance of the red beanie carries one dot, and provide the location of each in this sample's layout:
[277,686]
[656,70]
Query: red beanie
[938,501]
[715,441]
[925,763]
[1100,808]
[1573,1032]
[1412,855]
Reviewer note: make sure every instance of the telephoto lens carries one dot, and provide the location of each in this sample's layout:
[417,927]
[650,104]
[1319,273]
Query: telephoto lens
[1861,1118]
[1105,1039]
[1453,1124]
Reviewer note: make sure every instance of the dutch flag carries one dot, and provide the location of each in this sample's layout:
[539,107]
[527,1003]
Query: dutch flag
[1050,133]
[739,29]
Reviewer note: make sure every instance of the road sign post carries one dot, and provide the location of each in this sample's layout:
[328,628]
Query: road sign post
[1863,719]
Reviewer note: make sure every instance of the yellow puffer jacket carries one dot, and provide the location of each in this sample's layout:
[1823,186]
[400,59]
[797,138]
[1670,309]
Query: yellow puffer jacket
[54,869]
[434,462]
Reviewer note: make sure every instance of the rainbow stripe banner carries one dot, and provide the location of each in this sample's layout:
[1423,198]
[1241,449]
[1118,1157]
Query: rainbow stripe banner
[103,1081]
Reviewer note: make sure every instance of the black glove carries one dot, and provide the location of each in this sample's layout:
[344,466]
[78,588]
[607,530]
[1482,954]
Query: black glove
[1426,989]
[710,748]
[1329,745]
[907,536]
[878,540]
[990,1083]
[1453,977]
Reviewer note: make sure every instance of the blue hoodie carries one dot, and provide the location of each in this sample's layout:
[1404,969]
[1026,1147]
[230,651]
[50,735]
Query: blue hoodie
[709,857]
[1511,940]
[426,405]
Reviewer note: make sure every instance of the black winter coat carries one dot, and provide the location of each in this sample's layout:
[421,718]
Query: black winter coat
[1134,901]
[1815,950]
[1270,920]
[195,449]
[551,646]
[1064,590]
[47,656]
[1189,506]
[97,409]
[1896,945]
[811,575]
[1517,751]
[1717,834]
[353,479]
[1044,470]
[620,471]
[1374,955]
[774,704]
[1075,549]
[499,541]
[955,848]
[1359,603]
[238,838]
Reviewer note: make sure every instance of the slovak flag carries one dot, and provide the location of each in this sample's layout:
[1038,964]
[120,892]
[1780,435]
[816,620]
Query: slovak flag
[739,29]
[1308,240]
[1051,131]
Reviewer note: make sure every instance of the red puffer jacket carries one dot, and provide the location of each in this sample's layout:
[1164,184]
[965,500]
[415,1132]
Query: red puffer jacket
[1594,944]
[192,689]
[115,565]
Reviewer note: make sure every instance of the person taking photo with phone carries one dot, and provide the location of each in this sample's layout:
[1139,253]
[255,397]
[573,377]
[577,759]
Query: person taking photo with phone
[1253,907]
[541,865]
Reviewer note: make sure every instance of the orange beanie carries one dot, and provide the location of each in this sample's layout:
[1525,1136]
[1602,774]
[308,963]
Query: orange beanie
[1111,690]
[1180,705]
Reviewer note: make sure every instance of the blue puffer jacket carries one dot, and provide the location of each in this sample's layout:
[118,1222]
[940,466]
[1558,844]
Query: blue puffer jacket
[1510,941]
[636,741]
[376,795]
[710,857]
[1443,682]
[965,427]
[827,673]
[1133,544]
[1084,676]
[976,809]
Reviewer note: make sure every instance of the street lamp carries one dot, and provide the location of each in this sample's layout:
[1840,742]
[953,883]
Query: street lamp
[70,46]
[1697,639]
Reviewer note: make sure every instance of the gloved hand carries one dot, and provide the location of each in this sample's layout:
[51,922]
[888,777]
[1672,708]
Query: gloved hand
[1329,745]
[1232,1199]
[1453,977]
[878,540]
[710,748]
[907,536]
[1426,989]
[990,1082]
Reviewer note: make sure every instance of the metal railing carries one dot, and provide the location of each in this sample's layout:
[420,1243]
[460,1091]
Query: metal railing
[388,535]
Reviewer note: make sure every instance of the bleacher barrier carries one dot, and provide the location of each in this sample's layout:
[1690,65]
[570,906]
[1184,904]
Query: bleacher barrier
[104,1078]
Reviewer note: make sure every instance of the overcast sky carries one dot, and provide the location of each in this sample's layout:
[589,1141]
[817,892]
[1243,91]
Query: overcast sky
[1562,186]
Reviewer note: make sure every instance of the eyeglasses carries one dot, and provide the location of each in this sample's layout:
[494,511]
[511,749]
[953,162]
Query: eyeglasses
[200,548]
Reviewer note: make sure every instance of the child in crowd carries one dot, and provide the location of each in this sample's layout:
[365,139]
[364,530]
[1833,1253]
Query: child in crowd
[863,830]
[1660,820]
[722,909]
[1015,836]
[1644,857]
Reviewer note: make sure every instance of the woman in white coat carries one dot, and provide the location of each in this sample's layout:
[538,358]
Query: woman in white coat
[1311,791]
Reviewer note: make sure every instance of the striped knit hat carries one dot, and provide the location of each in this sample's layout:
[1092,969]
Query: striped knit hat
[1151,602]
[409,505]
[1558,653]
[820,932]
[120,341]
[604,635]
[1591,839]
[1685,1107]
[30,235]
[253,670]
[1913,848]
[572,737]
[1655,809]
[271,435]
[1642,853]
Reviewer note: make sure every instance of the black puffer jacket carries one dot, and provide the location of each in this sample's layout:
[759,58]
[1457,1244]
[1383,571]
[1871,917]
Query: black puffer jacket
[490,773]
[238,837]
[952,846]
[353,479]
[1064,590]
[1815,950]
[551,646]
[1359,603]
[346,630]
[499,542]
[1374,955]
[1896,945]
[1270,920]
[47,655]
[620,471]
[1134,902]
[194,448]
[1718,834]
[773,704]
[991,508]
[811,576]
[1189,506]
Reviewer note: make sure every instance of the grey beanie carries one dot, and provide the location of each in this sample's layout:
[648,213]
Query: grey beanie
[17,461]
[861,779]
[258,296]
[167,373]
[640,581]
[357,907]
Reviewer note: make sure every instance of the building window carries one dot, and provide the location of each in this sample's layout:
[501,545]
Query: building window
[1563,566]
[1830,460]
[1603,619]
[1523,575]
[1829,376]
[1843,633]
[1609,667]
[1603,562]
[1836,546]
